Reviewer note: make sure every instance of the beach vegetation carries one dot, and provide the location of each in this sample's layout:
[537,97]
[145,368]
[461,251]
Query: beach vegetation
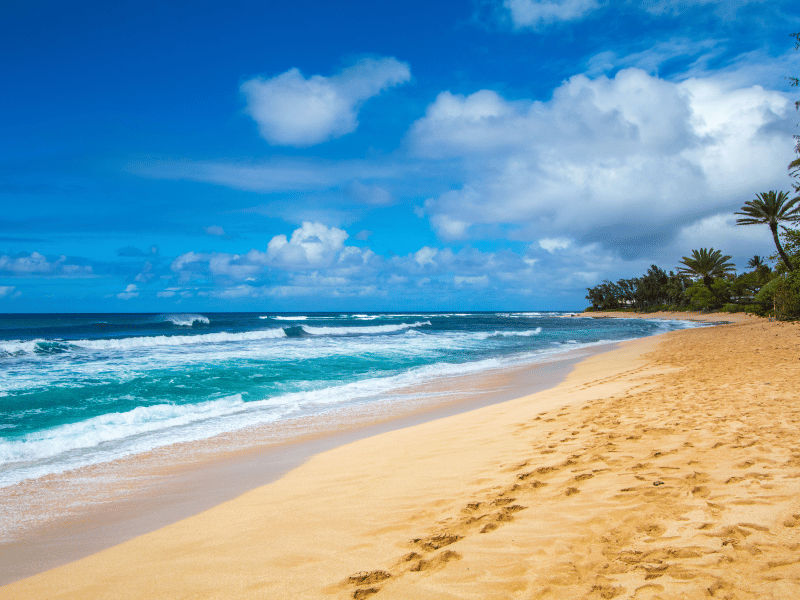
[707,264]
[771,208]
[654,290]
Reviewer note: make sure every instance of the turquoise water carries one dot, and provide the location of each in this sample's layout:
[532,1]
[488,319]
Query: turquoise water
[82,389]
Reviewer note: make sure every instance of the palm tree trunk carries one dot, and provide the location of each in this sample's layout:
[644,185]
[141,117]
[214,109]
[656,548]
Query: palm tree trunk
[707,281]
[786,261]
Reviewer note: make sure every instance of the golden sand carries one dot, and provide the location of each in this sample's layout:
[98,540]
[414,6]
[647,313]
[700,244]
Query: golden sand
[668,468]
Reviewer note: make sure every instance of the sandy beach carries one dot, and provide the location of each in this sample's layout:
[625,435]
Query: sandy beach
[666,468]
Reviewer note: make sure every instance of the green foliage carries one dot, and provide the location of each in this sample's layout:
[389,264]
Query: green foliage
[781,296]
[766,295]
[652,291]
[754,309]
[706,263]
[700,297]
[786,297]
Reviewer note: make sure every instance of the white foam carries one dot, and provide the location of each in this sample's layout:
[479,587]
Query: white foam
[14,347]
[177,340]
[187,320]
[112,426]
[369,329]
[300,318]
[528,333]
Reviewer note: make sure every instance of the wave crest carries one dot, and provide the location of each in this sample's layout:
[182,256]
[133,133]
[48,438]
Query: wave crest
[370,329]
[186,320]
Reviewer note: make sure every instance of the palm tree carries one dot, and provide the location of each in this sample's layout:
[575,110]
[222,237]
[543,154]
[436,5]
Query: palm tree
[706,263]
[771,208]
[756,263]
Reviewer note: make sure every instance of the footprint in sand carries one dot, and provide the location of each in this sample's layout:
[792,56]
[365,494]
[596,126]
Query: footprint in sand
[436,562]
[368,577]
[435,542]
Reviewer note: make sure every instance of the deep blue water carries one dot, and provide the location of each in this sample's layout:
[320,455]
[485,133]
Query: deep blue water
[86,388]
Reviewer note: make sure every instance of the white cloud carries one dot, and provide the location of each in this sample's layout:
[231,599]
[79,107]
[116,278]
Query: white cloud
[36,264]
[618,160]
[537,13]
[131,291]
[234,266]
[655,55]
[448,227]
[553,244]
[294,111]
[424,256]
[215,230]
[313,244]
[185,259]
[534,13]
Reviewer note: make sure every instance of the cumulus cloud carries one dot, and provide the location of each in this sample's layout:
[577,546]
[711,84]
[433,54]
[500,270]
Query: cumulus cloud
[315,261]
[291,110]
[35,264]
[131,291]
[534,13]
[313,244]
[424,256]
[625,161]
[553,244]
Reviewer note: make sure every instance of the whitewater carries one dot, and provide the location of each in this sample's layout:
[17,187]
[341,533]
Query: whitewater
[79,390]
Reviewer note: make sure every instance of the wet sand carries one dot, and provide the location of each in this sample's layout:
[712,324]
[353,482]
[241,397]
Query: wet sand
[666,468]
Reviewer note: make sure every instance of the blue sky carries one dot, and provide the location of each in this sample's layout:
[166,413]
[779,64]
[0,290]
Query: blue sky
[309,155]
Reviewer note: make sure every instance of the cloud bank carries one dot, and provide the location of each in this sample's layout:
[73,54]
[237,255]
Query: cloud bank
[38,265]
[624,161]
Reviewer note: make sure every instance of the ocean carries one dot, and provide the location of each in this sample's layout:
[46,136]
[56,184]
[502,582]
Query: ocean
[84,389]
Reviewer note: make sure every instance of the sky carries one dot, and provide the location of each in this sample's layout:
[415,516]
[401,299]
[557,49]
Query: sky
[246,155]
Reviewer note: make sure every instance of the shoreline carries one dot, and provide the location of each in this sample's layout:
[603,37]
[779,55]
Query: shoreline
[666,467]
[144,492]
